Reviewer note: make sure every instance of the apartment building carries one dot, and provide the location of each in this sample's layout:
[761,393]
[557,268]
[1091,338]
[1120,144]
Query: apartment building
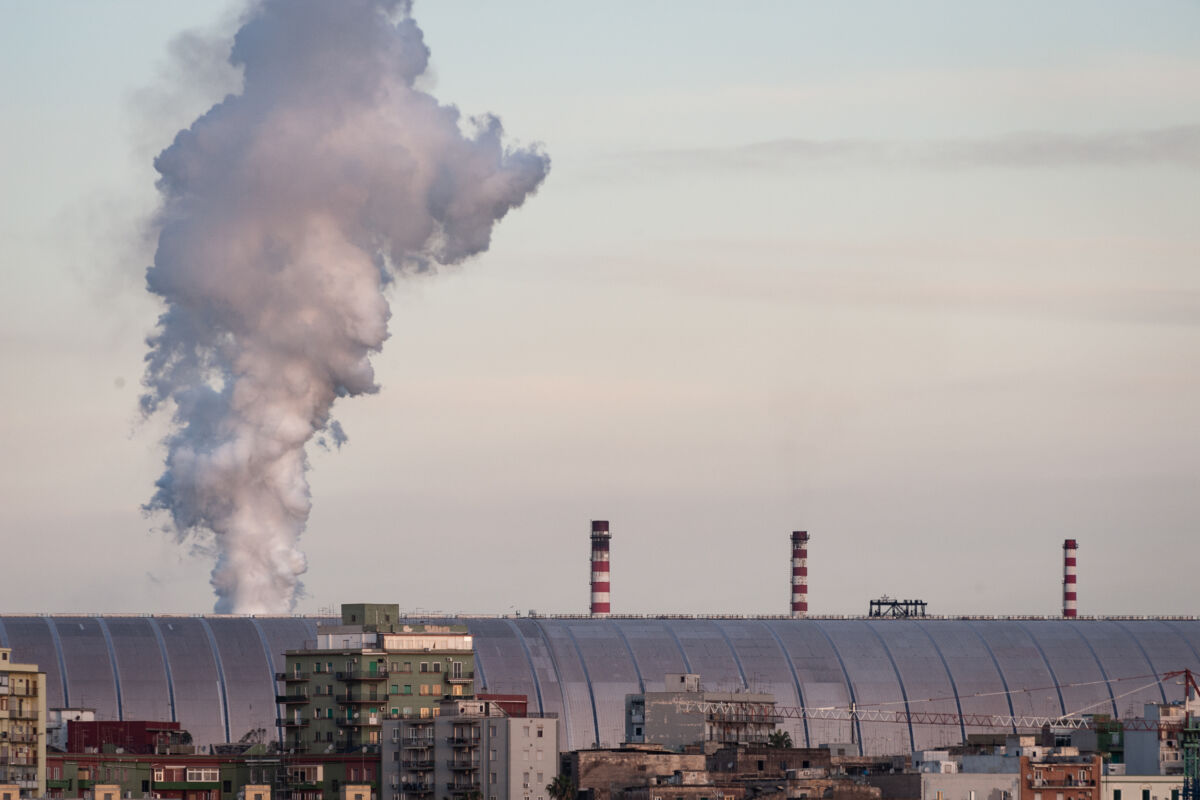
[22,726]
[685,714]
[340,689]
[471,748]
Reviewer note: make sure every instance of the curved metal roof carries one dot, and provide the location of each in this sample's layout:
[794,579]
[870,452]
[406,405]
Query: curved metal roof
[215,674]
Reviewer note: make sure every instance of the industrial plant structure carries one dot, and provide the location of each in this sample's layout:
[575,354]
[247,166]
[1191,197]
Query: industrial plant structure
[216,674]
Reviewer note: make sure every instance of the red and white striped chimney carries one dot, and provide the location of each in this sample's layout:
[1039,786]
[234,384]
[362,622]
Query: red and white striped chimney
[799,573]
[1069,550]
[600,585]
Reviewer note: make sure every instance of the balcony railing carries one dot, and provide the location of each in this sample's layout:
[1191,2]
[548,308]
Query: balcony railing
[359,722]
[22,713]
[463,786]
[465,677]
[462,765]
[362,675]
[421,764]
[418,742]
[291,676]
[20,737]
[423,788]
[348,699]
[284,699]
[463,741]
[292,722]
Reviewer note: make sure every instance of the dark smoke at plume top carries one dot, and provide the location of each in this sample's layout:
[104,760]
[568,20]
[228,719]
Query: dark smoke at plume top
[286,209]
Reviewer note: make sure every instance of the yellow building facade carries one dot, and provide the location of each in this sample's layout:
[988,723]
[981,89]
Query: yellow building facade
[22,726]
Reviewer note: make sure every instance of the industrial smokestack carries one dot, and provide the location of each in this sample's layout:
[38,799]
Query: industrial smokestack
[1069,549]
[799,574]
[600,585]
[286,210]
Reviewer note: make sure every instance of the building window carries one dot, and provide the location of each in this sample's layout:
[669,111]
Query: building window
[437,666]
[539,730]
[1145,794]
[1116,794]
[408,688]
[424,666]
[203,775]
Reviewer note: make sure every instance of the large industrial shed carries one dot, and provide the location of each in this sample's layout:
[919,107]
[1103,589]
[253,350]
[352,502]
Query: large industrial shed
[215,674]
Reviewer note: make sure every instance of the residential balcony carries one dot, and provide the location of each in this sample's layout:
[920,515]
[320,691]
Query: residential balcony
[291,676]
[350,699]
[421,787]
[417,742]
[418,764]
[360,722]
[463,786]
[362,675]
[22,713]
[292,722]
[463,741]
[284,699]
[20,737]
[465,677]
[457,764]
[17,761]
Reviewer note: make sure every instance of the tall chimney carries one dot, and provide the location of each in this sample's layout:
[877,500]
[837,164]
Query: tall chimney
[1069,549]
[799,573]
[600,586]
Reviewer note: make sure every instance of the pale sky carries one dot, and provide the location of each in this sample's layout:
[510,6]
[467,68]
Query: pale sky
[919,278]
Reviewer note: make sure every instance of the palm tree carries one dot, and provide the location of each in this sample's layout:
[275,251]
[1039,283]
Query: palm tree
[781,739]
[561,788]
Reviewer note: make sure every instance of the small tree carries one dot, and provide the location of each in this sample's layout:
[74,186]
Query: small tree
[781,739]
[561,788]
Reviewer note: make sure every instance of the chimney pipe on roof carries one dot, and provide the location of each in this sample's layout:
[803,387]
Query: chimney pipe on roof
[600,583]
[799,574]
[1069,606]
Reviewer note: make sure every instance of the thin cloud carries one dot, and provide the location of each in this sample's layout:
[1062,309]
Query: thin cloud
[1176,146]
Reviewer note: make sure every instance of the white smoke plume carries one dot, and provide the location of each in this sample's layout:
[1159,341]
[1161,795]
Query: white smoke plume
[286,210]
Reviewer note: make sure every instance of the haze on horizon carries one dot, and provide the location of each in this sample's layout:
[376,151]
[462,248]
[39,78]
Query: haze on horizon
[921,280]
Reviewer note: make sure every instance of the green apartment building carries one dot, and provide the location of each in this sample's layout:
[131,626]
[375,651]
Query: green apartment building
[339,689]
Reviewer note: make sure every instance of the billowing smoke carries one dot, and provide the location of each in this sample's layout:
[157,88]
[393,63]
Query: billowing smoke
[286,211]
